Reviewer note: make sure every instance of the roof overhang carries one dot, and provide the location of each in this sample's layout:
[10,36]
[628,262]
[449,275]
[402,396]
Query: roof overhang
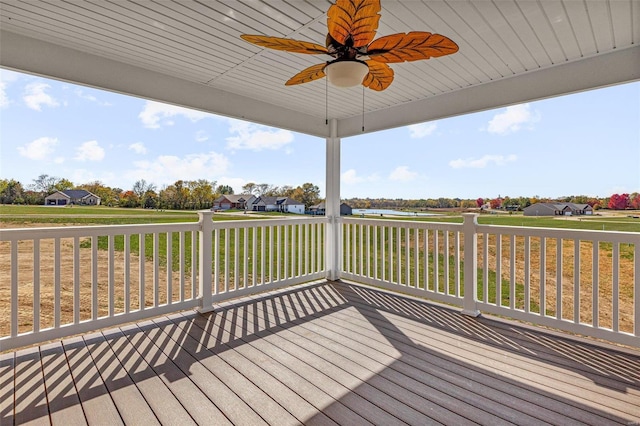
[234,92]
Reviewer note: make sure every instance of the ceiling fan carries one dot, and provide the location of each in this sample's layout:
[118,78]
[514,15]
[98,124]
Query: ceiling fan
[358,59]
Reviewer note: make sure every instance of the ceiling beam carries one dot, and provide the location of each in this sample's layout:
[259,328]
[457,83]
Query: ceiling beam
[33,56]
[621,66]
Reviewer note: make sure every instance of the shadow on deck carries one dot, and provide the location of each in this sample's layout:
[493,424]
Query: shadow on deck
[322,353]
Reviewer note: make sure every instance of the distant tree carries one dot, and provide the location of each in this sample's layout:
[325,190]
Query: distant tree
[479,202]
[634,201]
[45,185]
[618,201]
[263,189]
[202,193]
[149,199]
[593,202]
[108,196]
[33,198]
[250,188]
[286,191]
[63,184]
[129,199]
[224,190]
[309,194]
[141,187]
[11,191]
[496,203]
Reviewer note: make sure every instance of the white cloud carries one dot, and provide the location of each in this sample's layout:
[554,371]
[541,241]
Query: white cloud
[89,97]
[513,119]
[39,149]
[35,96]
[6,77]
[235,183]
[417,131]
[202,136]
[255,137]
[138,148]
[480,163]
[155,114]
[89,151]
[4,99]
[403,174]
[80,176]
[351,177]
[167,169]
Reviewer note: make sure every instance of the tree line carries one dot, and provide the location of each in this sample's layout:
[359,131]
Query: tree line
[201,194]
[181,195]
[614,202]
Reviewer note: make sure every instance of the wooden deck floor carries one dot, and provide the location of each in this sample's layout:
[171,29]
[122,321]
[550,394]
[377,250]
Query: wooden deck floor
[323,353]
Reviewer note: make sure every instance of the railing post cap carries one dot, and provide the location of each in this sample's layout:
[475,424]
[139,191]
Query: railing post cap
[470,218]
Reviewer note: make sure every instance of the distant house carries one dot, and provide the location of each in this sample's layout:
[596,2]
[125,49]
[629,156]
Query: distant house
[72,196]
[289,205]
[320,209]
[233,201]
[266,203]
[558,209]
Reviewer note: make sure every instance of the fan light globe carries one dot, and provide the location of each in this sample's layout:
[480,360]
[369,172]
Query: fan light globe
[346,73]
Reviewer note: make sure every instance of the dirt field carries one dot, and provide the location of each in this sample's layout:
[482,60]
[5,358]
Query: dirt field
[46,282]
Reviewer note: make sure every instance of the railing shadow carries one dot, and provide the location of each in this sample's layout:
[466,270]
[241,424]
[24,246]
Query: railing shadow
[181,346]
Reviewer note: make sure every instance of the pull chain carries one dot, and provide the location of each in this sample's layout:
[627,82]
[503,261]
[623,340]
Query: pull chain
[326,101]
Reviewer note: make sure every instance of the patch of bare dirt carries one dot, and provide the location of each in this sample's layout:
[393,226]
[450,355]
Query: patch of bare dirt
[43,283]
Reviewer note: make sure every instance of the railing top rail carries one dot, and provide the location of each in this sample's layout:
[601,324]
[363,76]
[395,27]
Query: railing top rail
[576,234]
[251,223]
[406,223]
[93,230]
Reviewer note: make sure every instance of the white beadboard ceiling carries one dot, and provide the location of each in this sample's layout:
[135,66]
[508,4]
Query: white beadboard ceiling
[190,53]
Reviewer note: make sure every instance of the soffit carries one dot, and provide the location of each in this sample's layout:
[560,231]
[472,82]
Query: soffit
[190,53]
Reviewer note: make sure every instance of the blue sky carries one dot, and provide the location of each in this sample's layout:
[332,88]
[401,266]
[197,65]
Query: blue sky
[582,144]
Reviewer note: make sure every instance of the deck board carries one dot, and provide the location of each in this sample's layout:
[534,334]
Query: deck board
[7,387]
[96,401]
[30,397]
[322,354]
[62,395]
[164,404]
[129,401]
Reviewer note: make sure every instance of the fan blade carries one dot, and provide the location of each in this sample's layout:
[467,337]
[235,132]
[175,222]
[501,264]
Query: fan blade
[413,46]
[288,45]
[308,74]
[380,76]
[353,21]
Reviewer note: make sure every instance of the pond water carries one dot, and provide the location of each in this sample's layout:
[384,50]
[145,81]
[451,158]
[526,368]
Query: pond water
[390,212]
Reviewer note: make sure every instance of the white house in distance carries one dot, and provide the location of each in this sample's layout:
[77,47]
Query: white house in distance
[276,204]
[72,196]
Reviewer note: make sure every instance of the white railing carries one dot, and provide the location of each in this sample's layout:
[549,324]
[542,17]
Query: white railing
[585,282]
[61,281]
[57,282]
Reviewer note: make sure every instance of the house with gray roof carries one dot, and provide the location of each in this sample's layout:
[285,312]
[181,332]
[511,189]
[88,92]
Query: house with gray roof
[320,209]
[557,209]
[233,201]
[266,203]
[72,196]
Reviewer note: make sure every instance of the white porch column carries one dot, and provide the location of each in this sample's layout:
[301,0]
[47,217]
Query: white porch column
[333,247]
[469,225]
[205,256]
